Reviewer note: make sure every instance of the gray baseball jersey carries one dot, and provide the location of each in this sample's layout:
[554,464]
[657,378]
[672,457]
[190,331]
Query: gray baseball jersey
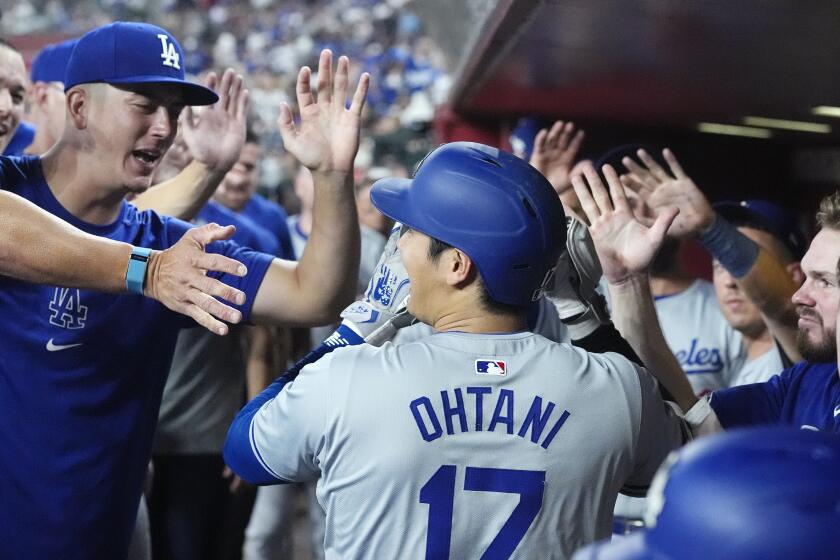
[462,445]
[547,324]
[707,347]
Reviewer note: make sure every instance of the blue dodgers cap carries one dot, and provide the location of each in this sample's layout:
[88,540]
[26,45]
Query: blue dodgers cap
[133,53]
[50,65]
[769,217]
[523,135]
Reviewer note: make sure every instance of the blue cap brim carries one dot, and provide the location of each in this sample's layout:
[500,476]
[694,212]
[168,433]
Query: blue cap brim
[191,94]
[391,197]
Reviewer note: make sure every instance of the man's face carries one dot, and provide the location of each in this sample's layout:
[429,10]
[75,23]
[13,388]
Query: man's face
[132,127]
[241,181]
[738,310]
[12,93]
[817,300]
[414,251]
[53,106]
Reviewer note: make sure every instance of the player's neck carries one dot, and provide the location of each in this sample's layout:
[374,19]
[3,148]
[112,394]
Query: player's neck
[72,177]
[670,285]
[472,321]
[758,345]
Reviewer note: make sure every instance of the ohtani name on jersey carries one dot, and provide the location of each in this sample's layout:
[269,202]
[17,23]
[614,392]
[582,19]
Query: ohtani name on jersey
[540,423]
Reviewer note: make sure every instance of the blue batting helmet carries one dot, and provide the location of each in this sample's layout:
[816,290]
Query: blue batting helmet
[762,493]
[491,205]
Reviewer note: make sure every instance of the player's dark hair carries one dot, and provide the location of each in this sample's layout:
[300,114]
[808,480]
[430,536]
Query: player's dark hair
[437,247]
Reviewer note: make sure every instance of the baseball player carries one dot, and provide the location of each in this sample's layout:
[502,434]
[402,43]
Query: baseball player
[762,493]
[83,372]
[806,395]
[482,439]
[214,139]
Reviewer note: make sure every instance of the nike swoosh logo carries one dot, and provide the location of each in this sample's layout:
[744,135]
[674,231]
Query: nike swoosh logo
[56,347]
[837,411]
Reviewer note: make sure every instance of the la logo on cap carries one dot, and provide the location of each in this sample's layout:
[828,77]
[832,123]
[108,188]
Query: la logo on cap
[169,55]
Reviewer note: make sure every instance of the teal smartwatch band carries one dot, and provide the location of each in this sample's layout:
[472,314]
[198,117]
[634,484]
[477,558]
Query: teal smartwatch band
[136,274]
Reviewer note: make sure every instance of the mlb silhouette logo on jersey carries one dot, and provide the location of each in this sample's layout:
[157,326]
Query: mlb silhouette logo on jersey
[169,54]
[490,367]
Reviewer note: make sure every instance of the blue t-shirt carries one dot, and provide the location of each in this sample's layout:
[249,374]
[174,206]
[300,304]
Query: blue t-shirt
[806,396]
[81,377]
[22,139]
[272,217]
[248,234]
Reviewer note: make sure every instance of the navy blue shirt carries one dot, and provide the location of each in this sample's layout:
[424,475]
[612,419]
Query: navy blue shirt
[806,395]
[248,234]
[81,378]
[272,217]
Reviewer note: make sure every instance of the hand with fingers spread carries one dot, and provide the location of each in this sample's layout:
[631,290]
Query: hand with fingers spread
[328,136]
[177,278]
[661,190]
[554,154]
[215,135]
[625,246]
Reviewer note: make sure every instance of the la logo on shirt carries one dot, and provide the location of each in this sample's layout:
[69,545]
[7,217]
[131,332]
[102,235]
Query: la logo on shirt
[66,309]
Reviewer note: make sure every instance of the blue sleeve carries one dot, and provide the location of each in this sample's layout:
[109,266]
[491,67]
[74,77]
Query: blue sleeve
[239,452]
[754,404]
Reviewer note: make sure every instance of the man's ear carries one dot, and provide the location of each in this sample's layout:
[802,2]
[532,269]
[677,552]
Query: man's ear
[459,267]
[38,93]
[78,106]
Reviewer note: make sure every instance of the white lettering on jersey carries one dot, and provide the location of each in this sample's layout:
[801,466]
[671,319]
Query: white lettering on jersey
[169,54]
[66,309]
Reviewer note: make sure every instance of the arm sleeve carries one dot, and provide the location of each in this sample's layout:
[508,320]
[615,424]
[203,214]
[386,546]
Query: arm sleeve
[750,405]
[660,431]
[278,436]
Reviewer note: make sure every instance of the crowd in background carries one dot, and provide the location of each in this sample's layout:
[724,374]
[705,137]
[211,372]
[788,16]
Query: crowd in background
[267,41]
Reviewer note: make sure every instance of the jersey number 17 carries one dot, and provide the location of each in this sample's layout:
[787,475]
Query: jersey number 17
[439,494]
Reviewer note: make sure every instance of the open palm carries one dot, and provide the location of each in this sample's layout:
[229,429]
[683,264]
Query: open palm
[624,245]
[661,189]
[327,138]
[215,135]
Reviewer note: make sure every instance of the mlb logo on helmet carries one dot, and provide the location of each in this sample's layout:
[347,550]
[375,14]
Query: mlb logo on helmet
[490,367]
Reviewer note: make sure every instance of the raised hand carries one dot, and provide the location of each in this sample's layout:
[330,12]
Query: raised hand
[177,277]
[661,190]
[328,136]
[215,134]
[624,245]
[554,154]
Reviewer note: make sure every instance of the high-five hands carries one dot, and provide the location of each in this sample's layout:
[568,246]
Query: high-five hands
[327,138]
[215,134]
[554,154]
[625,245]
[661,190]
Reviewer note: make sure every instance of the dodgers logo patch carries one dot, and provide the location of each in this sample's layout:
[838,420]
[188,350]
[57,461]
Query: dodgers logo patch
[490,367]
